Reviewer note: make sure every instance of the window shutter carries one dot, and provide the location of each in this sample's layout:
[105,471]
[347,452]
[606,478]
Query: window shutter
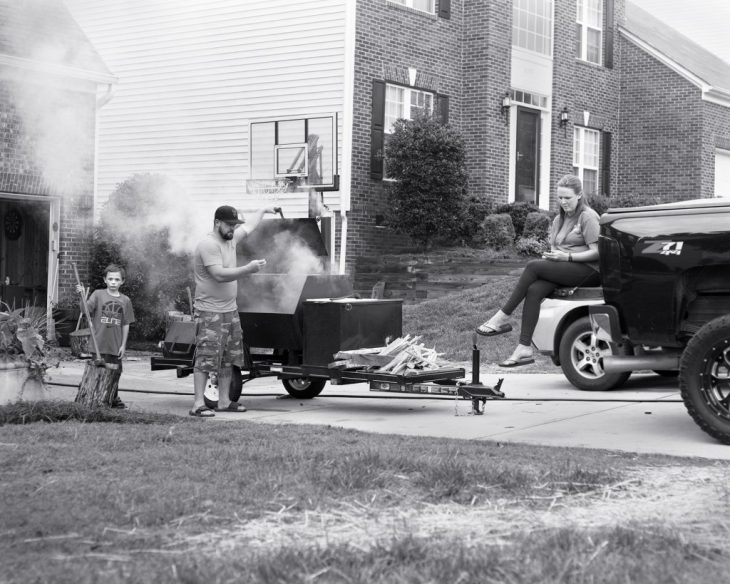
[606,164]
[377,127]
[608,52]
[445,9]
[443,108]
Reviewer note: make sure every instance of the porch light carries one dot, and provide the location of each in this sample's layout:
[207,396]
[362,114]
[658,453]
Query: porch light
[506,103]
[564,117]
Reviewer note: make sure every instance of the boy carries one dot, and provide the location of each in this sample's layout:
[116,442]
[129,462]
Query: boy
[112,313]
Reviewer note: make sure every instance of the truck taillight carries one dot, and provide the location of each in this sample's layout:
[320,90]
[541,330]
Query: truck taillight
[610,262]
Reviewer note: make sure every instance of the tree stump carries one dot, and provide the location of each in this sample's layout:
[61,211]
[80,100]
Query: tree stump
[98,385]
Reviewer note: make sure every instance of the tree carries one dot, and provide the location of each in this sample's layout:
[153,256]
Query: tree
[427,199]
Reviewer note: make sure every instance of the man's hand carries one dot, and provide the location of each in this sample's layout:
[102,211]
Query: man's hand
[80,289]
[255,265]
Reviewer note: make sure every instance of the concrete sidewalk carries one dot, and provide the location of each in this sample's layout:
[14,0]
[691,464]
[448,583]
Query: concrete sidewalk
[647,415]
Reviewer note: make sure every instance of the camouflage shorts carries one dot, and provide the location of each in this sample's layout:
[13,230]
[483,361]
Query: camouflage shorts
[218,341]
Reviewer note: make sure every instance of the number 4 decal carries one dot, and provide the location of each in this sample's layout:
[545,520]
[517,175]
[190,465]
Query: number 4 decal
[663,247]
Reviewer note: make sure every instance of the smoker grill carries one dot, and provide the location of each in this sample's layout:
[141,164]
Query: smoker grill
[295,316]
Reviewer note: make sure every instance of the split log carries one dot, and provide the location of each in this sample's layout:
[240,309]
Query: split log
[98,385]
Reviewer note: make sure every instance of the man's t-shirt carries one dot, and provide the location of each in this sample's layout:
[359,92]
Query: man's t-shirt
[109,314]
[210,295]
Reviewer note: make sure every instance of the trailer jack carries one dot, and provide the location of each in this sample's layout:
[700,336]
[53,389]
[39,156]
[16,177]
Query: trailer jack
[477,392]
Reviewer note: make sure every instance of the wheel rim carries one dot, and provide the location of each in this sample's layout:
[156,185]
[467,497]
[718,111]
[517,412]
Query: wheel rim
[715,387]
[587,358]
[299,383]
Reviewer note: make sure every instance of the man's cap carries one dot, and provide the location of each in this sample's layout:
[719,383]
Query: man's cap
[228,214]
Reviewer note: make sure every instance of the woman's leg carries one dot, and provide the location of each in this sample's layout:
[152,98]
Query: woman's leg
[559,274]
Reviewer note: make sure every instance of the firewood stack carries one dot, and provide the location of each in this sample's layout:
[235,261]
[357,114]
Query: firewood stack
[402,356]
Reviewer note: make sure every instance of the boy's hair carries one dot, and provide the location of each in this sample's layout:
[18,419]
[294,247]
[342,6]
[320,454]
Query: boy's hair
[115,268]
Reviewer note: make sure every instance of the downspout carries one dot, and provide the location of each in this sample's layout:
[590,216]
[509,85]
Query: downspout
[348,107]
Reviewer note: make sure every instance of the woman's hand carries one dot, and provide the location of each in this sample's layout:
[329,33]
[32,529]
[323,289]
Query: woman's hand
[555,255]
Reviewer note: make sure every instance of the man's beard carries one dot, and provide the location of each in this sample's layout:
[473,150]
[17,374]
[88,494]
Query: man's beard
[225,235]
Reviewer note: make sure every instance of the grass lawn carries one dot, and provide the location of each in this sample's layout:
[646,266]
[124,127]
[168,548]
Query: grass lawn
[115,496]
[448,324]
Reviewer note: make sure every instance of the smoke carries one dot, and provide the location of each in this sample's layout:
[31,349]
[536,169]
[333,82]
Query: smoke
[56,113]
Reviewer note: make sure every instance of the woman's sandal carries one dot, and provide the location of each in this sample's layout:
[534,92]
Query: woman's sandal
[487,330]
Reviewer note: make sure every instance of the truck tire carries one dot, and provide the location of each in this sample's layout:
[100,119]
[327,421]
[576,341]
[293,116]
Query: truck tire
[704,378]
[304,387]
[581,362]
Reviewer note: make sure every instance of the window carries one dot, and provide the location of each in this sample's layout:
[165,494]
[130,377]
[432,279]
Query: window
[422,5]
[404,102]
[586,151]
[589,31]
[532,25]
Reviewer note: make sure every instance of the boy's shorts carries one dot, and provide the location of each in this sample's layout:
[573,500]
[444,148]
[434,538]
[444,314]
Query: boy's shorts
[218,341]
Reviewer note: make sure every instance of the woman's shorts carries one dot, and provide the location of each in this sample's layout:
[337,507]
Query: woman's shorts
[218,341]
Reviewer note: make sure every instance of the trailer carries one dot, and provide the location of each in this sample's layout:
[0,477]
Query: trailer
[295,321]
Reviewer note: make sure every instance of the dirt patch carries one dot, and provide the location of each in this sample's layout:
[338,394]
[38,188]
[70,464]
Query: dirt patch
[689,500]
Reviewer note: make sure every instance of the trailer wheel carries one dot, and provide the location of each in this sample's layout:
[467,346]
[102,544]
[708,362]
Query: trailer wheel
[704,378]
[304,387]
[210,397]
[582,362]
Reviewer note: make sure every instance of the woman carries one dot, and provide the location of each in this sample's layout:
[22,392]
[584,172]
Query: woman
[571,261]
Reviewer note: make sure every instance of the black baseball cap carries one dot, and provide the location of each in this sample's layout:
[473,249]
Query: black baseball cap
[228,214]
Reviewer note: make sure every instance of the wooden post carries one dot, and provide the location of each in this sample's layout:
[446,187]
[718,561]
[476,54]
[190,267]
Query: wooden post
[98,384]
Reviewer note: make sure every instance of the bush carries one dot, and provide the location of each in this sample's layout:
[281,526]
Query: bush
[498,231]
[634,200]
[599,203]
[518,212]
[427,200]
[477,208]
[531,246]
[537,226]
[130,234]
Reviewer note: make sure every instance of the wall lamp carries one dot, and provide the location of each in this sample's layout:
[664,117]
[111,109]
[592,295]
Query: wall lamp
[564,117]
[506,103]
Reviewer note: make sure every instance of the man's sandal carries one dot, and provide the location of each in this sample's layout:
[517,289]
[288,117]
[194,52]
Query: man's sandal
[202,412]
[232,407]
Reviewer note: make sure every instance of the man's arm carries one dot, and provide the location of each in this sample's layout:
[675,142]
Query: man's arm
[253,223]
[221,274]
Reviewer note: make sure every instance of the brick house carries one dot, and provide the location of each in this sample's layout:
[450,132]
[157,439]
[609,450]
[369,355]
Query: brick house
[538,88]
[49,75]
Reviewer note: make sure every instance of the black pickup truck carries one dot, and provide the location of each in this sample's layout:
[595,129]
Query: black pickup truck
[665,273]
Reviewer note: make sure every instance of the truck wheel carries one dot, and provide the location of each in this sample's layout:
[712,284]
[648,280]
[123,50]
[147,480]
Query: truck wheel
[582,362]
[304,387]
[704,378]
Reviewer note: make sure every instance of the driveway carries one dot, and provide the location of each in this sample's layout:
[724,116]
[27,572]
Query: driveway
[646,415]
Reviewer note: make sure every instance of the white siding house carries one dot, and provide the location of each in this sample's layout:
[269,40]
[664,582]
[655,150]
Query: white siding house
[193,76]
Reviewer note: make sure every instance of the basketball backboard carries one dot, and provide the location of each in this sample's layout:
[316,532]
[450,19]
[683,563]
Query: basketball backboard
[293,153]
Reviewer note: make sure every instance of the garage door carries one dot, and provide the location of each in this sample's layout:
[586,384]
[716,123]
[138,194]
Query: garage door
[722,173]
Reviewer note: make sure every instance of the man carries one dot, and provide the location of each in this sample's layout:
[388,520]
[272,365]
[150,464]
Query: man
[219,339]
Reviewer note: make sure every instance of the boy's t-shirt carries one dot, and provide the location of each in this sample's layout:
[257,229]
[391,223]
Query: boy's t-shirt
[109,314]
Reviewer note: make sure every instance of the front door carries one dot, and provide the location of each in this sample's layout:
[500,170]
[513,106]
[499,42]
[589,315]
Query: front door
[527,156]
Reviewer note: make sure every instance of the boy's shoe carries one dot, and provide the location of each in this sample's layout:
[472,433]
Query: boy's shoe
[119,404]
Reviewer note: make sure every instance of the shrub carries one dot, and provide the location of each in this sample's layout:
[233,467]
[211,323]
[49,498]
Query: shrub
[498,231]
[427,200]
[599,203]
[127,235]
[634,200]
[518,212]
[531,246]
[477,208]
[537,226]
